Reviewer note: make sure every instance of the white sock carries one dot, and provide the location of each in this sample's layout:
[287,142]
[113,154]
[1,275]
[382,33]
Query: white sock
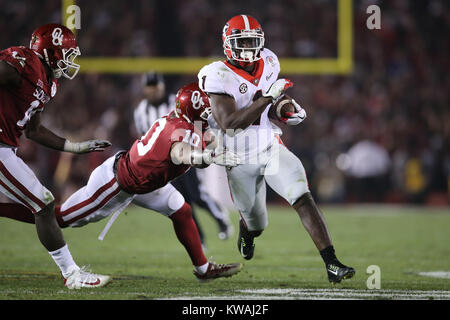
[64,260]
[202,269]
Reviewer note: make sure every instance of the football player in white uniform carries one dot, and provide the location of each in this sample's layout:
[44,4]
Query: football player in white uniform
[242,90]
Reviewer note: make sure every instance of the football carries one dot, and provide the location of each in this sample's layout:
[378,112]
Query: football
[281,107]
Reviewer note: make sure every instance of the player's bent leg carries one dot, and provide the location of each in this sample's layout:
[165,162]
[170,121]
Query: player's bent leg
[51,237]
[315,224]
[165,200]
[289,181]
[251,205]
[187,233]
[183,185]
[98,199]
[169,202]
[48,229]
[201,197]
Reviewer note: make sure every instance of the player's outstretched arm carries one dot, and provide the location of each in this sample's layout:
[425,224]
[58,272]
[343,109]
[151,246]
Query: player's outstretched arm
[8,74]
[40,134]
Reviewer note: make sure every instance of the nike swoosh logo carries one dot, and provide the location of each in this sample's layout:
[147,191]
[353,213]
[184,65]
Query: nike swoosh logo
[242,251]
[333,272]
[92,283]
[268,77]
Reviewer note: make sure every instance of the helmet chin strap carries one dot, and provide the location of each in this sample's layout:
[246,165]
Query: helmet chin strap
[184,117]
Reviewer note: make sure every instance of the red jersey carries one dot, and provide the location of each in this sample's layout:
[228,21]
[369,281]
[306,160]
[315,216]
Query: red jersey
[148,166]
[19,103]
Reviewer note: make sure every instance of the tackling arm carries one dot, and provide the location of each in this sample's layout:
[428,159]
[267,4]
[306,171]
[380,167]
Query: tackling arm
[182,152]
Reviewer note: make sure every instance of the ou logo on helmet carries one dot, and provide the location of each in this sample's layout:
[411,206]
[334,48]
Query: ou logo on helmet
[196,100]
[57,37]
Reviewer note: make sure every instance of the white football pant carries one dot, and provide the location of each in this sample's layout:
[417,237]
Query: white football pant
[102,196]
[276,166]
[19,183]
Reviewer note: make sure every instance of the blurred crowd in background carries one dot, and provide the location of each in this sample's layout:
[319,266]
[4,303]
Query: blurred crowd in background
[380,134]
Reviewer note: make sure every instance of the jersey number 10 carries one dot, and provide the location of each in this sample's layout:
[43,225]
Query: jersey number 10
[147,141]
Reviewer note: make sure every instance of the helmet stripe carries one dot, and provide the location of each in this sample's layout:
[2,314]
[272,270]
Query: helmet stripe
[246,22]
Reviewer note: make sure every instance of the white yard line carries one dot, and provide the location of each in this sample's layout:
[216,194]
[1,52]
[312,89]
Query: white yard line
[325,294]
[280,294]
[436,274]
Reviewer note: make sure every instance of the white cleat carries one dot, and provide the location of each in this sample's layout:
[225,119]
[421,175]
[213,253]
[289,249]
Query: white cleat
[80,278]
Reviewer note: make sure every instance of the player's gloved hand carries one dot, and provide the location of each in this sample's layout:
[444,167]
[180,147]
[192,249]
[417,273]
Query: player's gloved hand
[86,146]
[223,157]
[277,88]
[294,118]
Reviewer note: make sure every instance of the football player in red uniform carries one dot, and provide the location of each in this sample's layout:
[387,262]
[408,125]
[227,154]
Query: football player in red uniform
[28,81]
[142,174]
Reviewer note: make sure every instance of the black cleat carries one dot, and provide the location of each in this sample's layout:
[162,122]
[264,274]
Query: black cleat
[337,272]
[245,243]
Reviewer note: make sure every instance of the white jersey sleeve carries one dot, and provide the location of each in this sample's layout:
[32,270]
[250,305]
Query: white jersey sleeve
[272,61]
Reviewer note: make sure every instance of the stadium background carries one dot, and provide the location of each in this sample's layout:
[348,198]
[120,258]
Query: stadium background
[395,93]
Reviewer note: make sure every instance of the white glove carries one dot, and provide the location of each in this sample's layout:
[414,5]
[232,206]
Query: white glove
[86,146]
[222,157]
[277,88]
[294,118]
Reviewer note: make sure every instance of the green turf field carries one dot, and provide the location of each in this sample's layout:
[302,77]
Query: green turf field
[146,261]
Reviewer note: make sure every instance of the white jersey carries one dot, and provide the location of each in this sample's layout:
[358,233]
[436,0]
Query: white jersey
[221,77]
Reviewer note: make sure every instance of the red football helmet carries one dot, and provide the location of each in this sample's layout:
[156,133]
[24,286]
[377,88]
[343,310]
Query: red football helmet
[192,104]
[243,39]
[57,45]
